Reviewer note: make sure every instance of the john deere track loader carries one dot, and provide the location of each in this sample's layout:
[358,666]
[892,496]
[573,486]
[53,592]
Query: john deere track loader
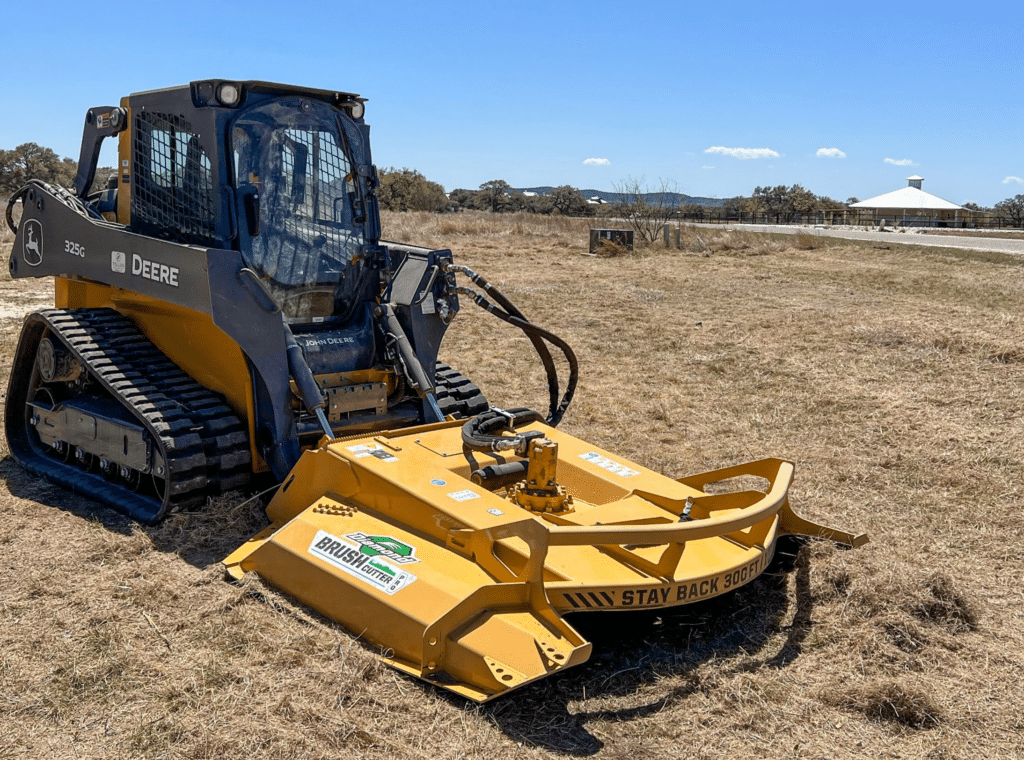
[227,311]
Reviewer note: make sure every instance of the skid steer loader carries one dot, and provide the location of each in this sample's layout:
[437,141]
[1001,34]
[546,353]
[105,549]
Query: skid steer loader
[226,311]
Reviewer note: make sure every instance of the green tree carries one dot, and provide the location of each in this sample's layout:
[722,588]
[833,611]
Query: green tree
[741,205]
[540,203]
[408,190]
[460,198]
[785,203]
[32,161]
[569,201]
[497,195]
[1012,209]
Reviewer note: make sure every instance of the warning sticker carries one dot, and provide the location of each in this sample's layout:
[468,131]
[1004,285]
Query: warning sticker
[371,567]
[668,594]
[372,450]
[466,495]
[607,464]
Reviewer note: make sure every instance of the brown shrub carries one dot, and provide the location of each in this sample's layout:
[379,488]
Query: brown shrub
[610,249]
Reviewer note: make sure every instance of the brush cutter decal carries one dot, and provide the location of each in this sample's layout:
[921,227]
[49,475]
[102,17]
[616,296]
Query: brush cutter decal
[350,558]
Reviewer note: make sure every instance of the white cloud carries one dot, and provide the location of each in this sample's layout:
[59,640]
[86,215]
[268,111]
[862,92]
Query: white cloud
[743,152]
[707,167]
[1011,178]
[830,153]
[596,162]
[899,161]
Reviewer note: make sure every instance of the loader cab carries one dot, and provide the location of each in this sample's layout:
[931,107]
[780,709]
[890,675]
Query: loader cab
[301,207]
[280,173]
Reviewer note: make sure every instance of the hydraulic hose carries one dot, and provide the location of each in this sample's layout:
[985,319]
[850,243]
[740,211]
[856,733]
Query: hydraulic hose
[539,345]
[309,391]
[537,335]
[64,196]
[483,432]
[10,209]
[410,362]
[557,410]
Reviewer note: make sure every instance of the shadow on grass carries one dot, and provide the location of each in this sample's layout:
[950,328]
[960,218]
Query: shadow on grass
[202,538]
[636,651]
[26,485]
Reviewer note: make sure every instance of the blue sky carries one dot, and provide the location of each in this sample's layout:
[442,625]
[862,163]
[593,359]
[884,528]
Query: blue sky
[846,99]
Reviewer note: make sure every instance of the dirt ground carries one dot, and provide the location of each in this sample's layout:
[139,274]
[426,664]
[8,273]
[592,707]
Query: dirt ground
[891,376]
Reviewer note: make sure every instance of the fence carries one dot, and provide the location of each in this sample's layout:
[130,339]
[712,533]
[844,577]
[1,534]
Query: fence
[853,217]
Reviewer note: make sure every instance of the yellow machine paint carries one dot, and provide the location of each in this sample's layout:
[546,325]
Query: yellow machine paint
[188,338]
[474,603]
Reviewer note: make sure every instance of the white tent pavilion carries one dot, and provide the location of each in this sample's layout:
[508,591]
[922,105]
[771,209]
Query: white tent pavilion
[912,207]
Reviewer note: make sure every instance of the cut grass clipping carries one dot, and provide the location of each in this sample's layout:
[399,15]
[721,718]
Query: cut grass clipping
[890,702]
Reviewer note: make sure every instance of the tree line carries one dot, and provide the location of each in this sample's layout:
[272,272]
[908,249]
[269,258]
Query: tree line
[645,207]
[785,203]
[408,190]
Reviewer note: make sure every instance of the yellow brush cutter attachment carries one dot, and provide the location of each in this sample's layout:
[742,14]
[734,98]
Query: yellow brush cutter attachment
[403,539]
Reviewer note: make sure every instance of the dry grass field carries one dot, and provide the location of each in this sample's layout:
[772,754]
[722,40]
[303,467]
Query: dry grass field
[891,376]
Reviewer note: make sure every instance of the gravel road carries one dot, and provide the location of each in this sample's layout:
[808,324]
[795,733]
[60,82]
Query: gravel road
[971,242]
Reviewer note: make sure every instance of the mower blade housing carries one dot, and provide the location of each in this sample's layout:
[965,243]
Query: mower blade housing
[388,535]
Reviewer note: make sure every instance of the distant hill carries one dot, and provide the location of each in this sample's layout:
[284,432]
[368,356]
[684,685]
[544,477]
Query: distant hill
[673,199]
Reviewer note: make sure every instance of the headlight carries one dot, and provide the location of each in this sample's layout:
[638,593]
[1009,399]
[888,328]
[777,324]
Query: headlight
[228,94]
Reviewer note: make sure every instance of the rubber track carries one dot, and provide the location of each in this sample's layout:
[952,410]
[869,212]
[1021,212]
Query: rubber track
[456,394]
[202,441]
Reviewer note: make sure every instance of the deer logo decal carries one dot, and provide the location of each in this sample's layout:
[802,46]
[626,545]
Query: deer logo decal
[32,246]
